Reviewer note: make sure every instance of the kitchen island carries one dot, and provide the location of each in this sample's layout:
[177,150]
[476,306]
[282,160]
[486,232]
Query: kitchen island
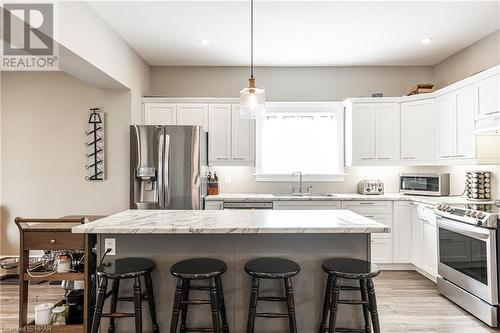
[237,236]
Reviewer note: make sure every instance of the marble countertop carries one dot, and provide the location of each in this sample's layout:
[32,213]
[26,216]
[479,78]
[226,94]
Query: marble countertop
[232,222]
[256,197]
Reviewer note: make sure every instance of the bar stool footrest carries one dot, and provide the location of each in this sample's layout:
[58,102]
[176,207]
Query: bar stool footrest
[118,315]
[353,302]
[196,302]
[200,329]
[271,315]
[271,299]
[349,330]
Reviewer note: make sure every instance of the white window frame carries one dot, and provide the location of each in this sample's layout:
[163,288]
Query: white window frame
[291,108]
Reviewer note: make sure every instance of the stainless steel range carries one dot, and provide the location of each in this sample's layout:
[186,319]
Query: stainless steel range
[468,255]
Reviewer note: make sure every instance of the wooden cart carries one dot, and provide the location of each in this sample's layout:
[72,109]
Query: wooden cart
[54,234]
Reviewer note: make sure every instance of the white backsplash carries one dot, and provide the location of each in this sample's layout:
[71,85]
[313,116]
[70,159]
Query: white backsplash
[242,180]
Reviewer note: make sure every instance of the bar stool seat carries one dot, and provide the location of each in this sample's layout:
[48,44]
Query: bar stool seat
[350,268]
[198,268]
[272,268]
[126,268]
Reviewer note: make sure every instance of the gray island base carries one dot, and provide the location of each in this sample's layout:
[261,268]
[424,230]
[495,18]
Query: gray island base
[307,237]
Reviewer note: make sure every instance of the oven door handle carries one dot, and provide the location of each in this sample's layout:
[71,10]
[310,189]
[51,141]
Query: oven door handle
[464,229]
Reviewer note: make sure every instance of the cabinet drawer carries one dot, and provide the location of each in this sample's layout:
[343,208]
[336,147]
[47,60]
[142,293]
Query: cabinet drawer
[53,240]
[368,206]
[213,205]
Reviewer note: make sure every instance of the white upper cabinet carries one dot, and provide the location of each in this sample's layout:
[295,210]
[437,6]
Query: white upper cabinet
[488,96]
[372,133]
[160,114]
[219,137]
[418,131]
[363,132]
[446,111]
[455,121]
[387,136]
[466,142]
[242,136]
[193,114]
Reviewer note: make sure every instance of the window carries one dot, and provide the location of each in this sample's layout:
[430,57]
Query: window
[305,137]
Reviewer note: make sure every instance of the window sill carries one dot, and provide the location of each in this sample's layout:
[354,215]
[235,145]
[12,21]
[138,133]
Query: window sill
[305,178]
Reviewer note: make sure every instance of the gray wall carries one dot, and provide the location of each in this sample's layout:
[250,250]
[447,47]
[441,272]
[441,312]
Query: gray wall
[479,56]
[288,83]
[43,119]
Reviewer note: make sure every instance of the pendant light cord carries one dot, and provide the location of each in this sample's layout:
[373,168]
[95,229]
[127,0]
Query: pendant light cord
[251,37]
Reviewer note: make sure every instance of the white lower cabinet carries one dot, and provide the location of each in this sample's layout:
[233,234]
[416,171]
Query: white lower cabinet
[380,211]
[402,232]
[424,239]
[305,205]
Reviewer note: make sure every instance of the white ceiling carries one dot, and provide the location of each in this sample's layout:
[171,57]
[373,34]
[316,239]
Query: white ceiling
[299,33]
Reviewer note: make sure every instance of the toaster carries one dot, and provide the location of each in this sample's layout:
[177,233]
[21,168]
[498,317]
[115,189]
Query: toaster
[371,187]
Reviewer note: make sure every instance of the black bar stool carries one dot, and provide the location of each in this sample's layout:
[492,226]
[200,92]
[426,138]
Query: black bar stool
[199,269]
[352,269]
[121,269]
[272,268]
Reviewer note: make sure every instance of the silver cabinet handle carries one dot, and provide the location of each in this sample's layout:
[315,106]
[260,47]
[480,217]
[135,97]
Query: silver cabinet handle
[239,158]
[222,158]
[370,216]
[367,203]
[458,155]
[408,158]
[492,112]
[447,156]
[383,158]
[367,158]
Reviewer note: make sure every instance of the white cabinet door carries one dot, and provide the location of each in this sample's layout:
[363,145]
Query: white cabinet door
[159,114]
[417,237]
[387,137]
[192,114]
[242,135]
[381,250]
[305,205]
[219,137]
[446,125]
[418,131]
[363,132]
[402,232]
[488,96]
[429,257]
[466,105]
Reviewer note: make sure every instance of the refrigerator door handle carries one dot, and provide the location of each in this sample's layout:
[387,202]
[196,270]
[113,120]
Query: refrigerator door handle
[161,148]
[166,172]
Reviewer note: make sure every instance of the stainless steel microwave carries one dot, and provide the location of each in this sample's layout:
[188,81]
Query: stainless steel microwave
[432,184]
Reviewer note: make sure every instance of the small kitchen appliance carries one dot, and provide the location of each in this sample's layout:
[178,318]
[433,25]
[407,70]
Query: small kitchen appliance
[468,255]
[371,187]
[431,184]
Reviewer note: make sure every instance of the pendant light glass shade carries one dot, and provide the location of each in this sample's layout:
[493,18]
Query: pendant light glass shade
[252,101]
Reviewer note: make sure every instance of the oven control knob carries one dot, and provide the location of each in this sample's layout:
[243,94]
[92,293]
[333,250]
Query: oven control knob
[480,215]
[473,214]
[468,213]
[449,209]
[439,207]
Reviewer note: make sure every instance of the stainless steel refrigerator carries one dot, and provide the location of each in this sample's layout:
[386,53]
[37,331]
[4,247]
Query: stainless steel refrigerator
[166,166]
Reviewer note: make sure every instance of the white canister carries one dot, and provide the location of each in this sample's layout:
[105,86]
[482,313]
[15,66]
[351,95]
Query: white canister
[43,314]
[79,284]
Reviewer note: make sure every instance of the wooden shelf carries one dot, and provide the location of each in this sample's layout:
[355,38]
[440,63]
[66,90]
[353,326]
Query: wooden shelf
[53,329]
[56,277]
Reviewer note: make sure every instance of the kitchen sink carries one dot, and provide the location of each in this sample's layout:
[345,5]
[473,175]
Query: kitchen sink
[331,195]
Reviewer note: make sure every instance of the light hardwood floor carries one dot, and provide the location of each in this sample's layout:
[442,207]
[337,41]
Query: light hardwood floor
[408,302]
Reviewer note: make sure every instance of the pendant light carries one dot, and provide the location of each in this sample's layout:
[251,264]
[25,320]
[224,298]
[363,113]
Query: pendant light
[252,99]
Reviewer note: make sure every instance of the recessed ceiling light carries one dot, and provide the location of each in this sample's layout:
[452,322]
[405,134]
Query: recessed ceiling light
[204,41]
[426,40]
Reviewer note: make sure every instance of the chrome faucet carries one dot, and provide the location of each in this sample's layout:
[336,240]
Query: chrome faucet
[300,180]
